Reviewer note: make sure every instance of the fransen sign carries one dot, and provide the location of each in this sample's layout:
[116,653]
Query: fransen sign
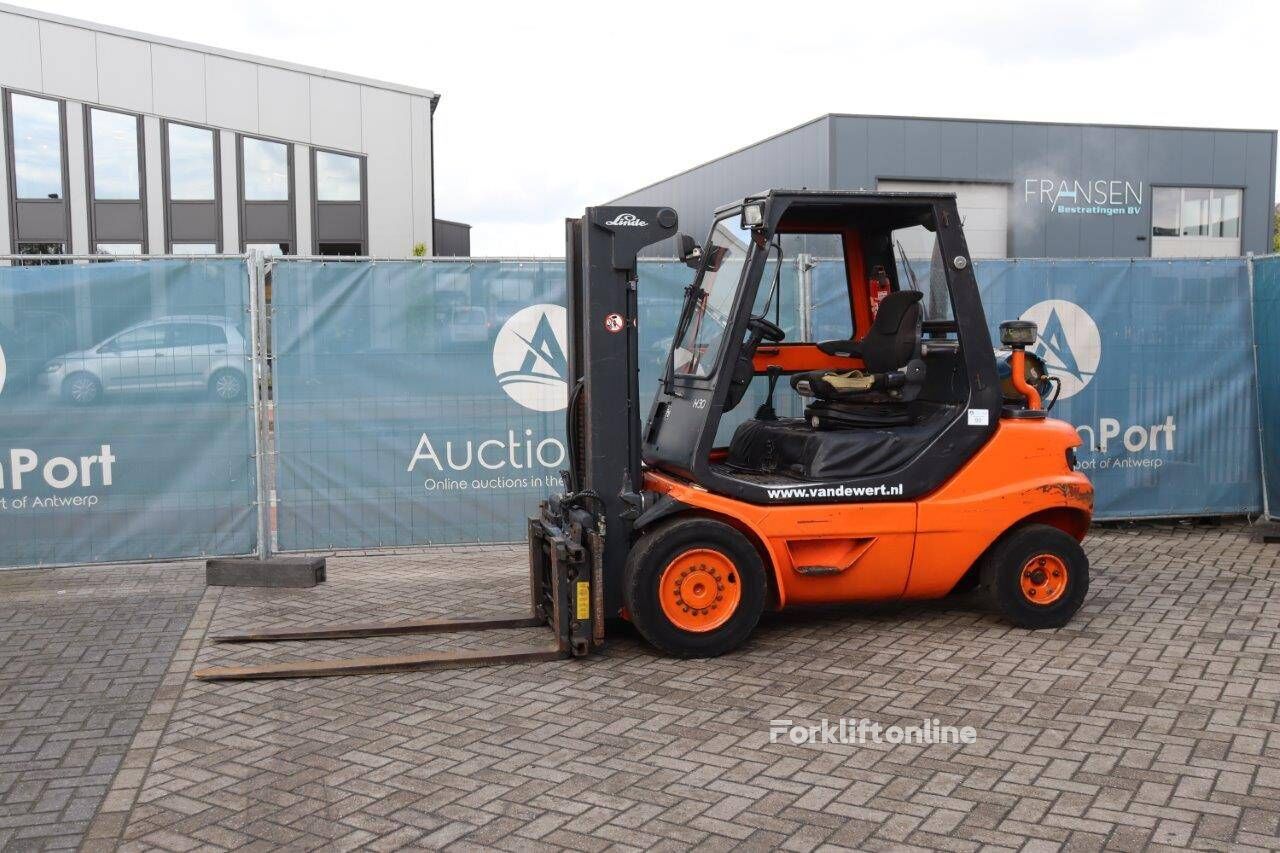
[1101,196]
[530,366]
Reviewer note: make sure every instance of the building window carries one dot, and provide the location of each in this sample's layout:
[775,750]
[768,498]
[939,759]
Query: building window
[38,249]
[350,250]
[1195,212]
[35,139]
[193,249]
[339,215]
[118,248]
[266,170]
[36,123]
[116,155]
[193,213]
[271,250]
[192,163]
[337,177]
[266,196]
[117,212]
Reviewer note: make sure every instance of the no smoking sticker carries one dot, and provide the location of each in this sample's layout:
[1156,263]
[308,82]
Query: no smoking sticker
[614,323]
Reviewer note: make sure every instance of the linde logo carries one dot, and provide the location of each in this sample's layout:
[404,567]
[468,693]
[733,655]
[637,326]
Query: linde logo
[529,359]
[1092,196]
[627,220]
[1068,342]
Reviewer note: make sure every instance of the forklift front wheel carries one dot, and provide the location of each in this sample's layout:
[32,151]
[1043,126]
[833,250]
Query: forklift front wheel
[694,587]
[1036,576]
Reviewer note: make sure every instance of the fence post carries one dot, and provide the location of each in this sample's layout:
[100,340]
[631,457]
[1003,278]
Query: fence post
[261,428]
[264,568]
[1257,389]
[804,264]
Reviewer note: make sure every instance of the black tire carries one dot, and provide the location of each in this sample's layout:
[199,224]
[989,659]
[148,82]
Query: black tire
[227,385]
[1018,550]
[81,389]
[655,551]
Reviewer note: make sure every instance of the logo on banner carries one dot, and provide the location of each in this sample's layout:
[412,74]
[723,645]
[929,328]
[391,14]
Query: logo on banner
[529,358]
[1068,342]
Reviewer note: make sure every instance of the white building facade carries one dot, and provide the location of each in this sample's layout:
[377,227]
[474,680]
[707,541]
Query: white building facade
[116,142]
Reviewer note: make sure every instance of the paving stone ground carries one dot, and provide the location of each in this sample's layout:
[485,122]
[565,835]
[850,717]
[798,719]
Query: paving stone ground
[1153,719]
[82,653]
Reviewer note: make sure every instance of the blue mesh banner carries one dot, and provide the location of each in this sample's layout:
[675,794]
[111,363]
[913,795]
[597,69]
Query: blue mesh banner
[1266,321]
[424,402]
[126,429]
[1157,372]
[416,402]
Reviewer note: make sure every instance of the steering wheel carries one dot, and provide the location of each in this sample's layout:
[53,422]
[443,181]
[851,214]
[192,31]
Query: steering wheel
[766,330]
[760,329]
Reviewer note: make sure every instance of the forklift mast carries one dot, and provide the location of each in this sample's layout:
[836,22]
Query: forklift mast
[578,541]
[604,430]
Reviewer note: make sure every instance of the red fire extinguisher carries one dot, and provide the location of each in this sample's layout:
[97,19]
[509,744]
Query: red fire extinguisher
[879,289]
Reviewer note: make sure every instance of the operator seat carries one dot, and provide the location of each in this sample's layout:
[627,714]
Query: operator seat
[878,395]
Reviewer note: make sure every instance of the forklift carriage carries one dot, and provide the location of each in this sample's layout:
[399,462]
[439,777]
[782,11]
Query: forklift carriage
[914,471]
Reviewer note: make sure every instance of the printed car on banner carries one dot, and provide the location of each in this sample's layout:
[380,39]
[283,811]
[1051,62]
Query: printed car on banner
[125,427]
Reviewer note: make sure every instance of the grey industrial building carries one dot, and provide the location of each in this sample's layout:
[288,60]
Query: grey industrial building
[1025,189]
[119,142]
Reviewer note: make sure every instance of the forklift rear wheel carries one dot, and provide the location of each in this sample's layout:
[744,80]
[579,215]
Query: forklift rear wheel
[1037,576]
[694,587]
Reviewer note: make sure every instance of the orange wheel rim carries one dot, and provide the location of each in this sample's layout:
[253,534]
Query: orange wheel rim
[699,590]
[1044,579]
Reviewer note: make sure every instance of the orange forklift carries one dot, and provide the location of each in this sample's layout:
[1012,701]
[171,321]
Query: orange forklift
[908,470]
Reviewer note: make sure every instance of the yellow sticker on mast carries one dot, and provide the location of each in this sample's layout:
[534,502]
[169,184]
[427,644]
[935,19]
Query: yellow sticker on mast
[583,610]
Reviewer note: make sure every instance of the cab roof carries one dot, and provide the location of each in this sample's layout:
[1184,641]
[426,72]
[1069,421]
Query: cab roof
[834,197]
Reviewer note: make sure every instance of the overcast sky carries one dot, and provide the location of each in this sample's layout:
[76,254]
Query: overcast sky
[548,107]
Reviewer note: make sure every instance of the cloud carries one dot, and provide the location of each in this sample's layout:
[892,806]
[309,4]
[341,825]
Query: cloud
[550,107]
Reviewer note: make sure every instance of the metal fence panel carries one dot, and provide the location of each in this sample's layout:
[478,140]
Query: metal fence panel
[1158,356]
[424,402]
[1266,323]
[125,425]
[391,425]
[1158,377]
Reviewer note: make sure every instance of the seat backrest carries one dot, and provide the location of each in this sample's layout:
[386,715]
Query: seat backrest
[894,337]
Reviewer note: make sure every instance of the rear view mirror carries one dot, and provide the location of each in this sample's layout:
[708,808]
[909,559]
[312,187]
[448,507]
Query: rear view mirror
[688,251]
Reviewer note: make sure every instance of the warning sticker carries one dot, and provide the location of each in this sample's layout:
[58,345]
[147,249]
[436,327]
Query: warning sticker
[583,610]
